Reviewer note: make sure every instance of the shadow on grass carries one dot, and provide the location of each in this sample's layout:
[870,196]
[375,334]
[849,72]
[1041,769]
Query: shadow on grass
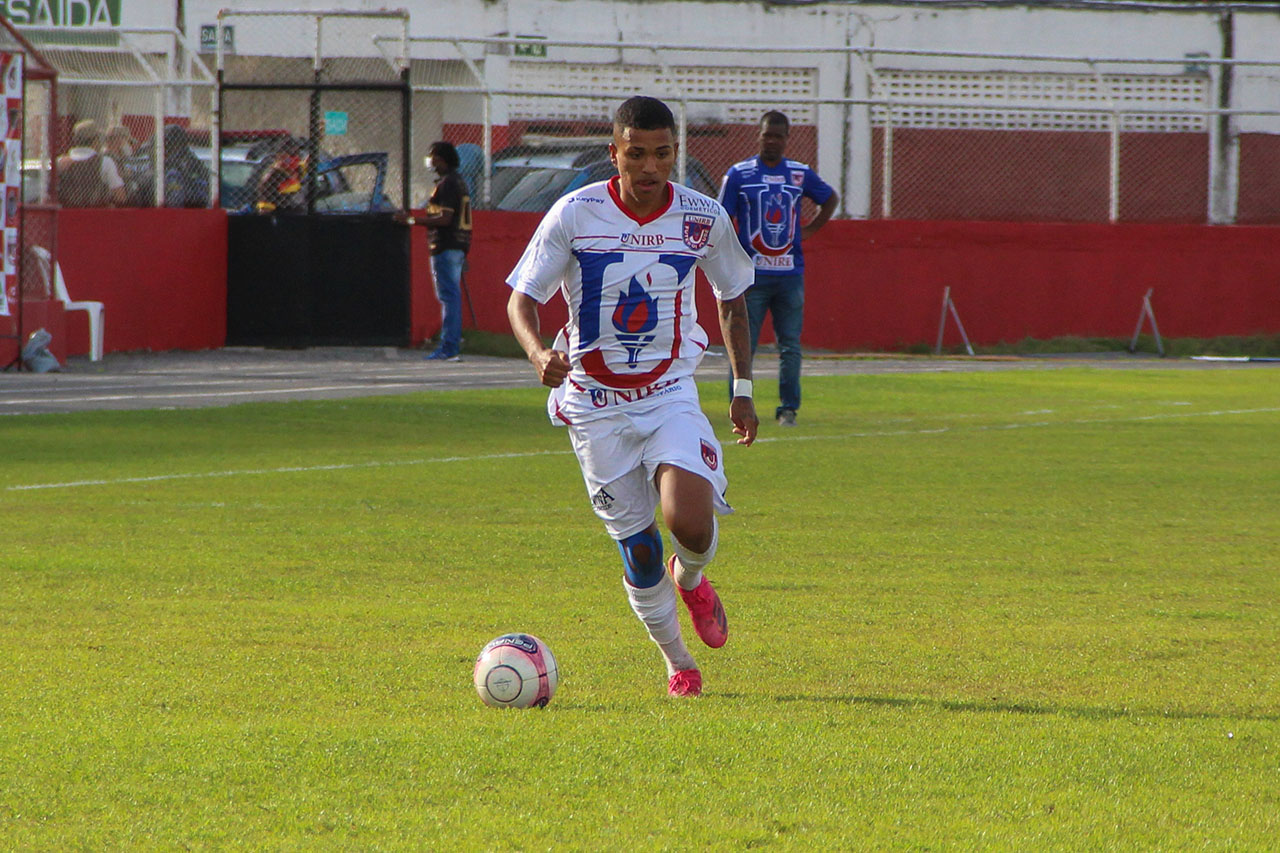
[1027,708]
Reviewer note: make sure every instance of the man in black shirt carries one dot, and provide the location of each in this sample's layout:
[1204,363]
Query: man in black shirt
[448,216]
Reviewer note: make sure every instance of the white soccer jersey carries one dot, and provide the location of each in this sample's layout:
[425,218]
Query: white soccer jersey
[633,333]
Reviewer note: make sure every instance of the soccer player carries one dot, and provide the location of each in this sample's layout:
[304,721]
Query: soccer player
[624,254]
[763,196]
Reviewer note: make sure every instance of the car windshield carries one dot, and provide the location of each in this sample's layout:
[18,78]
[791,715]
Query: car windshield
[237,173]
[238,170]
[504,178]
[532,189]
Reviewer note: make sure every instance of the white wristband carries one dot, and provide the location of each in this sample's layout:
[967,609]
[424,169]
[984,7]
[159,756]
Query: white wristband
[742,387]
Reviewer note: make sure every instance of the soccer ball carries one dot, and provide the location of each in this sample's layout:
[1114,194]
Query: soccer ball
[516,671]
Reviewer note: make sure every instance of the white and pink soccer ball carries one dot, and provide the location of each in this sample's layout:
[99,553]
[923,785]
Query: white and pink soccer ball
[516,671]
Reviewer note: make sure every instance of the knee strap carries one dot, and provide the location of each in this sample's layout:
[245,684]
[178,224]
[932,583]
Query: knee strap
[642,558]
[691,560]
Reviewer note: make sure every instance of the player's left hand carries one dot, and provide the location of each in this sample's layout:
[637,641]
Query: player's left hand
[742,411]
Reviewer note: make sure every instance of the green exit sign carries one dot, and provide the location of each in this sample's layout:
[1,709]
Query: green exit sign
[209,38]
[531,49]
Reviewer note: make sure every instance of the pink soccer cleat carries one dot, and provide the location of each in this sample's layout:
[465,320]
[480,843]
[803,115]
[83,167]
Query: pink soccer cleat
[686,682]
[705,610]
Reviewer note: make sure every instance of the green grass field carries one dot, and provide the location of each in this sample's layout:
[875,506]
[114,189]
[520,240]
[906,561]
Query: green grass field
[1025,610]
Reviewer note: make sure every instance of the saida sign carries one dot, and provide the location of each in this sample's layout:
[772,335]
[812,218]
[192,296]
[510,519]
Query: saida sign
[62,13]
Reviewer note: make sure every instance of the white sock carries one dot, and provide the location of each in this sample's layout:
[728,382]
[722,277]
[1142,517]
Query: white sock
[656,607]
[689,564]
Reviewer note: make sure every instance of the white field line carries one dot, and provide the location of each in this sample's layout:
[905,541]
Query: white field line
[85,385]
[103,398]
[1026,424]
[349,466]
[441,460]
[424,384]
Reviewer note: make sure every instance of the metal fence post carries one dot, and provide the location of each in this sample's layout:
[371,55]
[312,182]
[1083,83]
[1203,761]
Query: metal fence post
[487,143]
[1113,207]
[886,170]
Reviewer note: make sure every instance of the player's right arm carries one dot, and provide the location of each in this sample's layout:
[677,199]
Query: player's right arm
[552,366]
[535,278]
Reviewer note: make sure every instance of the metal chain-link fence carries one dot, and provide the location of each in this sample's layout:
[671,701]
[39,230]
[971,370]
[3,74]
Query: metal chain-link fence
[286,150]
[900,134]
[115,89]
[313,117]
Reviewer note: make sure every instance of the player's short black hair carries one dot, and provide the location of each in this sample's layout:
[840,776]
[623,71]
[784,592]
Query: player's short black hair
[775,117]
[446,152]
[642,112]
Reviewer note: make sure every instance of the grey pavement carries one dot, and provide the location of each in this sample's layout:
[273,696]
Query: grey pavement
[249,374]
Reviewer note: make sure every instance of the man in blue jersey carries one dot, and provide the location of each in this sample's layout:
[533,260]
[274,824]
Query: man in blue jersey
[624,255]
[763,196]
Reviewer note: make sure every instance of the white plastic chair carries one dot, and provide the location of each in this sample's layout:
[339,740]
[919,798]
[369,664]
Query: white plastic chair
[58,286]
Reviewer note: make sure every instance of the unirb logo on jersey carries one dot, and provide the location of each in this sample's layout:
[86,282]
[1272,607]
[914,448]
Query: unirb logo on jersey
[697,230]
[601,397]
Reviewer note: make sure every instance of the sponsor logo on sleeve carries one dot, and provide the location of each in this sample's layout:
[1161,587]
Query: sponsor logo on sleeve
[697,202]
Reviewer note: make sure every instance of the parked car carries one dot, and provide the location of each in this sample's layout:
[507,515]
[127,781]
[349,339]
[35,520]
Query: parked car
[532,175]
[352,183]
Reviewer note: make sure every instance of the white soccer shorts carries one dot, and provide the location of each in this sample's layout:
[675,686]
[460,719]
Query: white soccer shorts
[620,454]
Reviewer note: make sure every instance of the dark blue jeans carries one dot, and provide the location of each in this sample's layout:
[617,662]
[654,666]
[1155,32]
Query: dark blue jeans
[446,270]
[783,297]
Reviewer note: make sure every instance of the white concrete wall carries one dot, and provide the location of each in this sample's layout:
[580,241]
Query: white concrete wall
[1026,29]
[738,26]
[1044,31]
[1257,36]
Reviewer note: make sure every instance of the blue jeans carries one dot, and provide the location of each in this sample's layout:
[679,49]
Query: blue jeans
[446,271]
[783,297]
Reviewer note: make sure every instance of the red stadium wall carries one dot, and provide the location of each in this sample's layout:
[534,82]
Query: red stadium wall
[878,284]
[1259,198]
[869,285]
[161,275]
[1043,176]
